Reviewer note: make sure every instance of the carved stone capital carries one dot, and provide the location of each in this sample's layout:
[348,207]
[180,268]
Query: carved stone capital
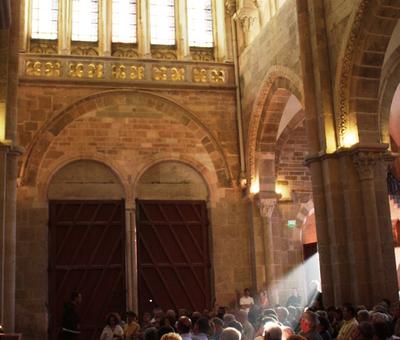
[247,17]
[365,163]
[267,206]
[230,7]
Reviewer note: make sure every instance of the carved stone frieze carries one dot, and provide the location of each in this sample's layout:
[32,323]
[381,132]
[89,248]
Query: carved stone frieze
[43,47]
[164,53]
[125,52]
[202,54]
[84,49]
[107,69]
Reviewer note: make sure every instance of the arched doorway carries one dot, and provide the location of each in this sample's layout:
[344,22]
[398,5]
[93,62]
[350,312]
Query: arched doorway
[86,244]
[173,239]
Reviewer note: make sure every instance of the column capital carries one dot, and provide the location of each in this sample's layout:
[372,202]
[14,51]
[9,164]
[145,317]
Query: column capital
[230,7]
[366,161]
[266,202]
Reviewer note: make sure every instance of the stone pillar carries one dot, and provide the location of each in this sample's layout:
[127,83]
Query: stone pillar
[182,41]
[144,38]
[267,207]
[354,232]
[8,175]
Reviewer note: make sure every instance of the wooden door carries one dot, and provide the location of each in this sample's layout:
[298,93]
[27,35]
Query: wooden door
[86,254]
[173,255]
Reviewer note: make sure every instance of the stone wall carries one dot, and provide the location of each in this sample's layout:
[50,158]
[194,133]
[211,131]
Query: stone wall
[129,132]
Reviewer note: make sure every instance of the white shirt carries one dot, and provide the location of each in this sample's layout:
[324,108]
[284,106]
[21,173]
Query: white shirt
[108,333]
[246,300]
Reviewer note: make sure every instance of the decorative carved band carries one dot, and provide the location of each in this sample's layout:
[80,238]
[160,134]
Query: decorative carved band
[107,69]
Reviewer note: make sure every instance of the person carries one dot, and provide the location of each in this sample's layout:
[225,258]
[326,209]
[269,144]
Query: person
[218,327]
[171,336]
[131,328]
[112,330]
[246,301]
[350,323]
[272,331]
[70,319]
[201,329]
[294,299]
[184,326]
[248,329]
[308,326]
[264,302]
[323,328]
[230,333]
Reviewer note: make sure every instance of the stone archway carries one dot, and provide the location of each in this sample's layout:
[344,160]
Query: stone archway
[125,98]
[358,74]
[279,83]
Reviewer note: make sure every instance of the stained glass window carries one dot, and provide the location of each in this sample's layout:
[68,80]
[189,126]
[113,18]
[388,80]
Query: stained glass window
[162,18]
[44,19]
[85,20]
[200,23]
[124,21]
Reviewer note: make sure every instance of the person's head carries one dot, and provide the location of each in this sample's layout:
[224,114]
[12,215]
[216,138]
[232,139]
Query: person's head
[270,313]
[349,311]
[338,314]
[296,337]
[241,316]
[131,316]
[272,331]
[218,325]
[164,330]
[246,292]
[158,313]
[184,325]
[382,330]
[286,332]
[228,318]
[362,315]
[76,298]
[295,292]
[323,324]
[282,313]
[195,316]
[230,333]
[113,319]
[292,312]
[308,321]
[237,325]
[364,331]
[202,326]
[171,336]
[221,312]
[150,334]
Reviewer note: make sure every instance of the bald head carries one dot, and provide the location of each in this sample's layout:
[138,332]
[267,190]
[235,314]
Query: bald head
[230,333]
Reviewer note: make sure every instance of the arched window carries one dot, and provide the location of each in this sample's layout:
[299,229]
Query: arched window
[44,19]
[85,20]
[200,23]
[162,18]
[124,21]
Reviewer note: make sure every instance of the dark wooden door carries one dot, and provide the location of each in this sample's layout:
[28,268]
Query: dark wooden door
[173,255]
[86,254]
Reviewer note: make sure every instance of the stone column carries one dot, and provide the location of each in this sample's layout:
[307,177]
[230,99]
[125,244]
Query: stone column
[267,207]
[144,46]
[9,168]
[64,27]
[182,39]
[354,232]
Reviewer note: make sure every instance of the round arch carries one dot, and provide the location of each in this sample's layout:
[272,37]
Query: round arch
[358,73]
[45,176]
[279,83]
[207,177]
[50,130]
[390,82]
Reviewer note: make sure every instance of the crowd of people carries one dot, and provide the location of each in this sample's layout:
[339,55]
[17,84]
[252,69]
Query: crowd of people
[261,322]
